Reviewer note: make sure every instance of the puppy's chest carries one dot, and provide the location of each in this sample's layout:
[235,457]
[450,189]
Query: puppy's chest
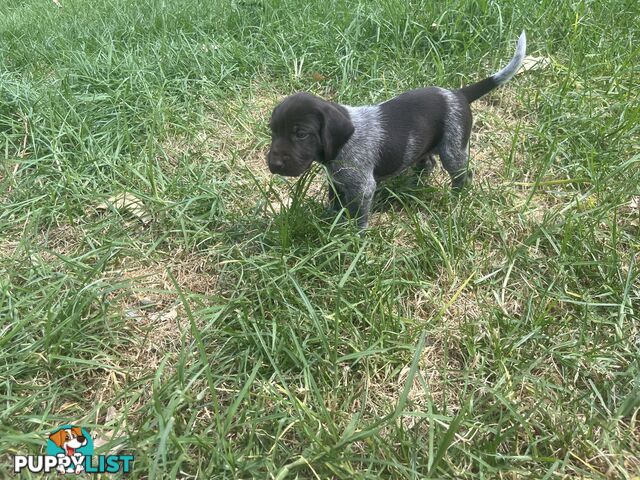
[358,157]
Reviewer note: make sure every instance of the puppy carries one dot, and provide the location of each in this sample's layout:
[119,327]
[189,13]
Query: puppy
[360,146]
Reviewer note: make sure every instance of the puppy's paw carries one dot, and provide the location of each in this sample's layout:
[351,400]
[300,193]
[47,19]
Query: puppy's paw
[462,180]
[330,212]
[469,178]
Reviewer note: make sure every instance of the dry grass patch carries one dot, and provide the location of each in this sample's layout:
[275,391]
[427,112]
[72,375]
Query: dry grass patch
[62,239]
[496,120]
[156,321]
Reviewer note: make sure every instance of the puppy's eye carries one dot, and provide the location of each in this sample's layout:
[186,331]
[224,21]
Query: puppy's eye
[300,135]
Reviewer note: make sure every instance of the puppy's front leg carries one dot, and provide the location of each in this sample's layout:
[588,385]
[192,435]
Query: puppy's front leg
[334,198]
[357,198]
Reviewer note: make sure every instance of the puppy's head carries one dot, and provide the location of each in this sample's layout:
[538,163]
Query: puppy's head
[305,128]
[69,437]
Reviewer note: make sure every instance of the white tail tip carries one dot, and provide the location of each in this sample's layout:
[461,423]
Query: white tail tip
[513,66]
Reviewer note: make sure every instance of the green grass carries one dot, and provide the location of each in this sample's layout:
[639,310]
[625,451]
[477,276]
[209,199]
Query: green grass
[240,333]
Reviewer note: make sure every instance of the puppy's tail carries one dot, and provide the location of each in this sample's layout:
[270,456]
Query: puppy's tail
[476,90]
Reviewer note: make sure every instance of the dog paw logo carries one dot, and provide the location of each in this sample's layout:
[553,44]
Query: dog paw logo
[70,441]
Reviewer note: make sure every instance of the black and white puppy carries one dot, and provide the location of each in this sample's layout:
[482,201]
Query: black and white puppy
[361,145]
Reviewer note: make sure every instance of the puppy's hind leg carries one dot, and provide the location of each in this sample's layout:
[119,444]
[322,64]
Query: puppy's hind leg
[456,162]
[454,146]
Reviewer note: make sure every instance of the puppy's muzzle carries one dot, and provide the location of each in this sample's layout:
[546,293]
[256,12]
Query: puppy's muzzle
[278,162]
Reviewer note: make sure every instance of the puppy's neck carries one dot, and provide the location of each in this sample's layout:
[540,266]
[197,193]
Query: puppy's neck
[364,146]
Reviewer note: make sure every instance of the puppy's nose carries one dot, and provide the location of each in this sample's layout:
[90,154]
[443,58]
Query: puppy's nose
[276,158]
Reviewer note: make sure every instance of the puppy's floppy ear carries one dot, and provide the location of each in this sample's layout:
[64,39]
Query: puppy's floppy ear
[274,112]
[59,437]
[336,130]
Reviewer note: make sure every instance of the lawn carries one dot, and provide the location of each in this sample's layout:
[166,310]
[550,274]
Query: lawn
[160,288]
